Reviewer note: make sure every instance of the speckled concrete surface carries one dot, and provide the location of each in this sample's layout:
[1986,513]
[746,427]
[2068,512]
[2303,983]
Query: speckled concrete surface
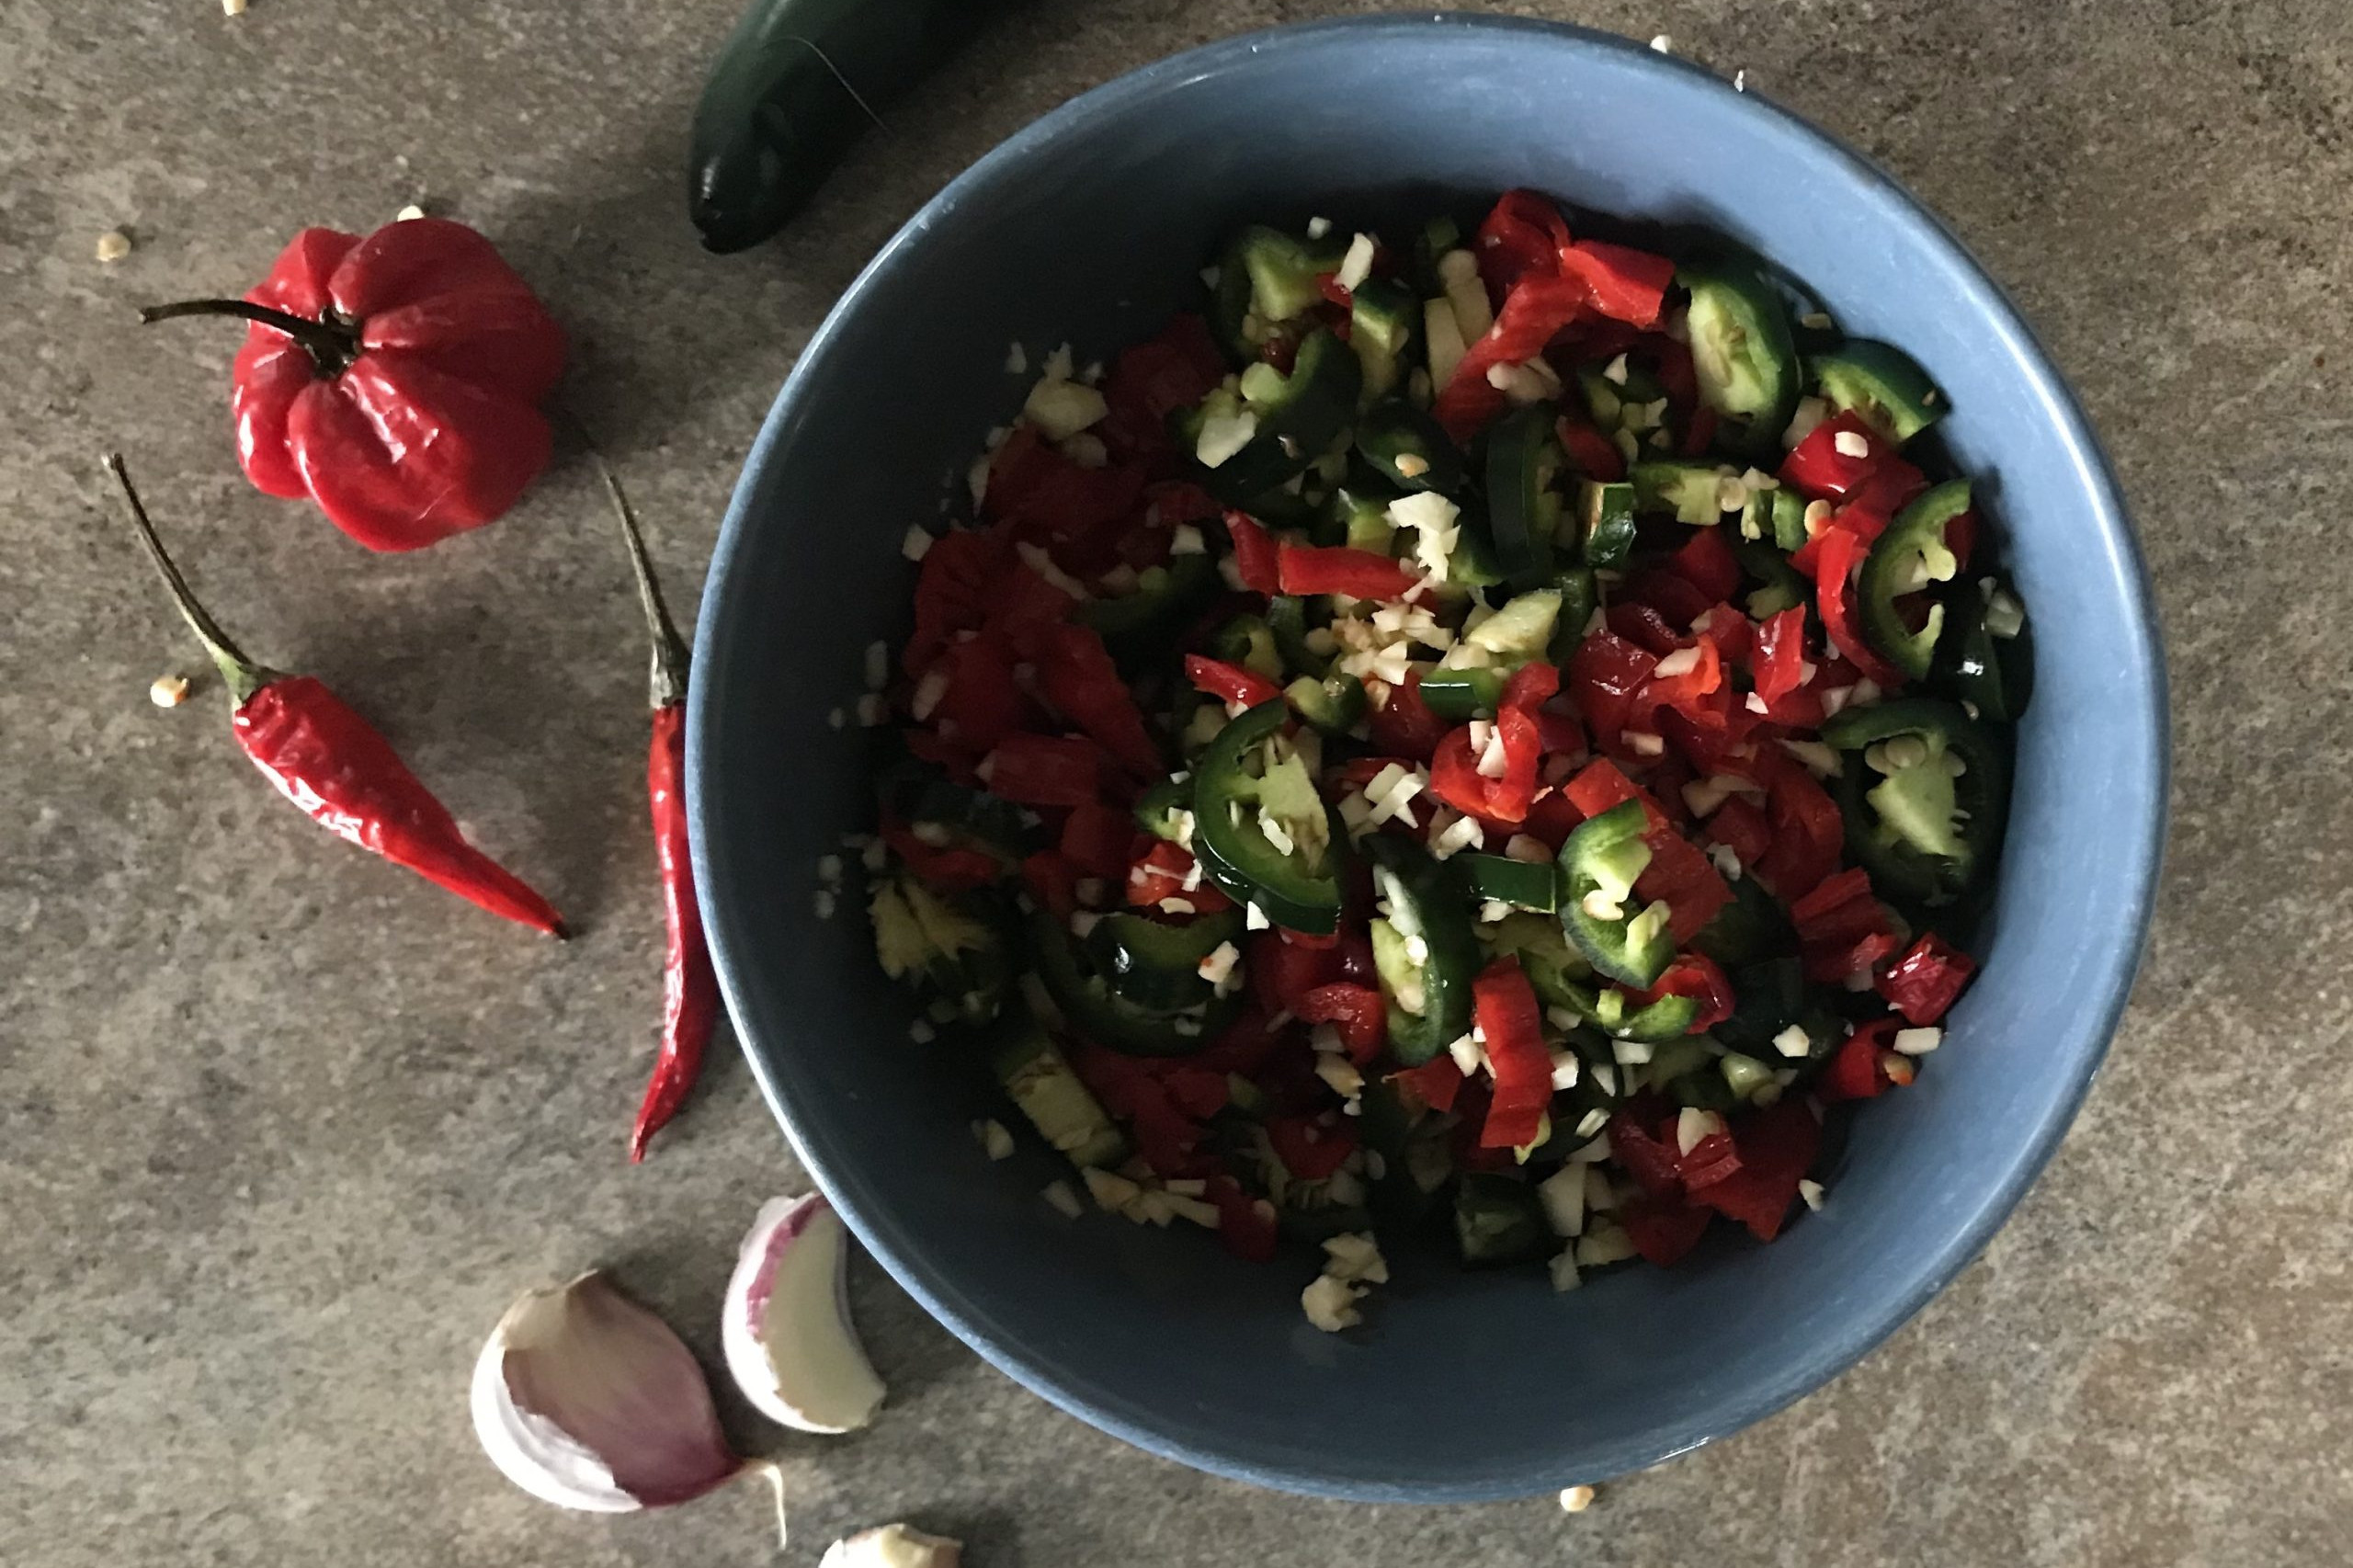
[280,1131]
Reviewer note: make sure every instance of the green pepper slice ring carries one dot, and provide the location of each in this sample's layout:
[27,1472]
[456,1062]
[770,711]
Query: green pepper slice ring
[1408,448]
[1600,862]
[1299,887]
[1524,884]
[1881,385]
[1924,791]
[1972,665]
[1154,966]
[1333,705]
[1299,418]
[1524,464]
[1910,556]
[1080,990]
[1742,353]
[1460,696]
[1139,626]
[1426,904]
[1605,521]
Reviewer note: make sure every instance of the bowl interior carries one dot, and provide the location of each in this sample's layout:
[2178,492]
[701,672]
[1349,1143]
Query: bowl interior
[1089,228]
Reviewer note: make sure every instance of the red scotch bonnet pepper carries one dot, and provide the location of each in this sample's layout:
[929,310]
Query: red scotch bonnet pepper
[394,379]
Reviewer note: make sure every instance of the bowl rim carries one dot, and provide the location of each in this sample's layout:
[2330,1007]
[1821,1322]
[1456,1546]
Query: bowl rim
[1861,1332]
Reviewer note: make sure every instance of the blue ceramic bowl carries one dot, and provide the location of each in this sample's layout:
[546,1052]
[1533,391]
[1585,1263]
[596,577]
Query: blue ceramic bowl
[1088,226]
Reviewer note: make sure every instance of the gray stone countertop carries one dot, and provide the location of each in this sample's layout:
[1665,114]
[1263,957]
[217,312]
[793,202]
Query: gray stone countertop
[281,1131]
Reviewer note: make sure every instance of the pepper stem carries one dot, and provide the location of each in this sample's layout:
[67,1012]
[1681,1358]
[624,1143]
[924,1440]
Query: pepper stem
[669,674]
[332,347]
[244,677]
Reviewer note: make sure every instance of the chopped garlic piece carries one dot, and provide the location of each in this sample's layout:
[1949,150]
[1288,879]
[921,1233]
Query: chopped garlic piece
[1793,1041]
[1357,265]
[1811,1190]
[995,1141]
[1917,1042]
[1222,435]
[1330,1303]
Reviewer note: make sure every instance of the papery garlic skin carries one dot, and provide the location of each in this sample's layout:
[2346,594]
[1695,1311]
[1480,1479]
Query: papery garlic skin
[893,1546]
[587,1399]
[786,1327]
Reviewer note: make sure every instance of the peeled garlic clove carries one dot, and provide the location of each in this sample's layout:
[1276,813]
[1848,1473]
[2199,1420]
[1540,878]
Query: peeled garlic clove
[893,1546]
[587,1399]
[787,1331]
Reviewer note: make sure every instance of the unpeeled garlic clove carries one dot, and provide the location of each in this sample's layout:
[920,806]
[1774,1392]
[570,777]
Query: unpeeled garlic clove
[587,1399]
[786,1328]
[893,1546]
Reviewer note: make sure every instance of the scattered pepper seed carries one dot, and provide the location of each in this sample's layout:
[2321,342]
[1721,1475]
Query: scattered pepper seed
[113,246]
[168,691]
[406,213]
[1576,1499]
[233,7]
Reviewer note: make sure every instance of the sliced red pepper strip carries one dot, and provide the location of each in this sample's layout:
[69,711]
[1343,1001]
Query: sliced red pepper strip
[1044,770]
[1685,693]
[1622,283]
[1097,838]
[1076,675]
[952,870]
[1532,685]
[980,705]
[1697,976]
[1337,569]
[1777,666]
[1777,1145]
[1842,552]
[1538,307]
[1599,785]
[1591,452]
[1681,876]
[1229,683]
[1455,777]
[1160,873]
[1437,1081]
[1808,833]
[1504,1005]
[1308,1149]
[1706,561]
[1820,472]
[1662,1230]
[1522,233]
[1603,673]
[1282,971]
[1254,557]
[1654,1165]
[1926,980]
[1740,826]
[1855,1074]
[1245,1224]
[1357,1012]
[1052,881]
[1403,724]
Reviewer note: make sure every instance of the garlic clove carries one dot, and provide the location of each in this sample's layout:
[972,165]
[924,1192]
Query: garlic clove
[893,1546]
[587,1399]
[786,1327]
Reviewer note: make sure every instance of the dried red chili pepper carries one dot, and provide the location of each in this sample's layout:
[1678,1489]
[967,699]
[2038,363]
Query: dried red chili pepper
[394,379]
[690,983]
[328,760]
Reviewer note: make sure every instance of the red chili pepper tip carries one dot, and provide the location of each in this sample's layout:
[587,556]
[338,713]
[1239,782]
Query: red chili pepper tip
[329,761]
